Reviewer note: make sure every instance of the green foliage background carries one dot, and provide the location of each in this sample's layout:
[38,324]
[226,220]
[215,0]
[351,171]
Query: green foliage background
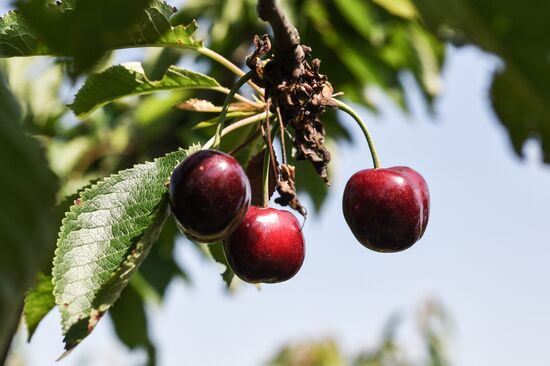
[127,115]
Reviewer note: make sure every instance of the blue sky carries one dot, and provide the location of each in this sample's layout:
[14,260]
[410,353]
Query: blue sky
[484,254]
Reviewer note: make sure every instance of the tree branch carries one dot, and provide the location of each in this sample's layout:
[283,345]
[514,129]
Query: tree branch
[287,46]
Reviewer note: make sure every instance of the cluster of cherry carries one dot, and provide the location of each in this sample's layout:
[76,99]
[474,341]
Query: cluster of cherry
[386,208]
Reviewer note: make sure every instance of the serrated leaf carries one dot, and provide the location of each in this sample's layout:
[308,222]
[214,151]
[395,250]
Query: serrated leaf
[81,29]
[39,300]
[16,39]
[129,79]
[155,30]
[38,303]
[104,238]
[27,196]
[85,29]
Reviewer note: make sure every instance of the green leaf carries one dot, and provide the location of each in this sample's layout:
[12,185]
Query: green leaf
[129,79]
[38,303]
[27,193]
[104,238]
[308,181]
[160,268]
[39,300]
[354,39]
[130,322]
[401,8]
[517,33]
[16,39]
[80,29]
[84,30]
[216,252]
[318,353]
[358,15]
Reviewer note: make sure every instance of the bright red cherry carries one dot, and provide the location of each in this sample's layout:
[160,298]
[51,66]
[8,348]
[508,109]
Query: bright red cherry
[209,195]
[387,209]
[268,246]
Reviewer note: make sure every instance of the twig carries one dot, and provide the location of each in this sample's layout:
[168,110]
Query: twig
[287,44]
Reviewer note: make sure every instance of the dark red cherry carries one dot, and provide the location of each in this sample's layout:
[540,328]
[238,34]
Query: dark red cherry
[387,209]
[268,246]
[209,195]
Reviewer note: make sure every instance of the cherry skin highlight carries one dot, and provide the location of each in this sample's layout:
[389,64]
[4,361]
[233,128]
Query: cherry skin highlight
[387,209]
[268,246]
[209,195]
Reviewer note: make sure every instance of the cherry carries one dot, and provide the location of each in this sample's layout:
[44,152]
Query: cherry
[387,209]
[268,246]
[209,195]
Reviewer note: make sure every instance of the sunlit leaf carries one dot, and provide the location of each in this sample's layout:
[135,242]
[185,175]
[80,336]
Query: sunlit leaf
[38,302]
[104,238]
[129,79]
[84,30]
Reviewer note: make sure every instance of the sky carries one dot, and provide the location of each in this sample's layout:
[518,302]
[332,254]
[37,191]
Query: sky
[484,254]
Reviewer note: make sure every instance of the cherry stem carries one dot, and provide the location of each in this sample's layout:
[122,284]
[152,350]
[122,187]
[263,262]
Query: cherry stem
[265,176]
[234,126]
[269,142]
[282,130]
[224,90]
[346,108]
[229,65]
[246,77]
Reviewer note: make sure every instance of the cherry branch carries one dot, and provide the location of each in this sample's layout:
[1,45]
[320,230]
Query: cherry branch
[287,46]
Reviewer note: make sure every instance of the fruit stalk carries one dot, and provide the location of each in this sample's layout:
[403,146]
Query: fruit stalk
[346,108]
[246,77]
[234,126]
[265,176]
[229,65]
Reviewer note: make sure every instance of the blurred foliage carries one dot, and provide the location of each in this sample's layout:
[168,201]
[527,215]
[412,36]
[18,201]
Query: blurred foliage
[82,30]
[434,329]
[370,43]
[517,32]
[130,322]
[363,45]
[27,196]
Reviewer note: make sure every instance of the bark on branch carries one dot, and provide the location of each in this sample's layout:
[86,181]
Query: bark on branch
[287,46]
